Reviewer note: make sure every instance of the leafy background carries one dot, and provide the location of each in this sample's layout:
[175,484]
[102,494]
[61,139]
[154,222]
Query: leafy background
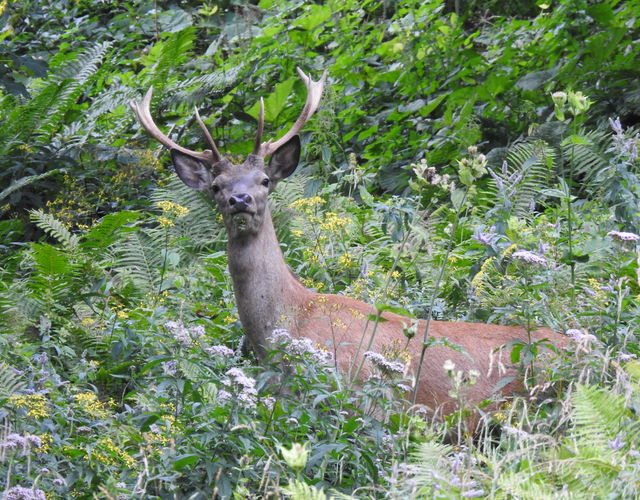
[93,270]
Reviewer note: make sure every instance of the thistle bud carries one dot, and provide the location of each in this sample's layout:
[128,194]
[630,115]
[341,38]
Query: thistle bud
[296,457]
[579,103]
[449,366]
[559,98]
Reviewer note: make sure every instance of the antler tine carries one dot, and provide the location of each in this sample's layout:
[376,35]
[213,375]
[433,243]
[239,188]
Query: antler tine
[314,94]
[143,115]
[256,147]
[214,150]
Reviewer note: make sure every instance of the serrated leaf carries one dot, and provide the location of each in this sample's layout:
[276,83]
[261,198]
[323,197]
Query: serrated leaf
[275,102]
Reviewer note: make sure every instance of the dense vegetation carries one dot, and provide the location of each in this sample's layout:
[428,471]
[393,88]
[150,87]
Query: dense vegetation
[472,161]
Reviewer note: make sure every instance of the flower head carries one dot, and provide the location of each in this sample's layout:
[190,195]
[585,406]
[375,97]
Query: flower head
[617,443]
[296,457]
[383,364]
[21,493]
[559,98]
[622,236]
[219,350]
[530,257]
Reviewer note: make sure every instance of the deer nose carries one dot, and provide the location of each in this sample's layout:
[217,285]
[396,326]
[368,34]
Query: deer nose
[240,201]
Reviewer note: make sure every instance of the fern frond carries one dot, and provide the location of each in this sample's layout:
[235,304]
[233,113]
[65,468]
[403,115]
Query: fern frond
[73,79]
[10,382]
[108,231]
[197,89]
[25,181]
[431,458]
[202,226]
[598,415]
[526,486]
[53,227]
[139,255]
[167,55]
[588,159]
[299,490]
[54,279]
[534,162]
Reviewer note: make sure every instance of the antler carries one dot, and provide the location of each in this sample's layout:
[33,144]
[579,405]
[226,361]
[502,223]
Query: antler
[143,115]
[314,93]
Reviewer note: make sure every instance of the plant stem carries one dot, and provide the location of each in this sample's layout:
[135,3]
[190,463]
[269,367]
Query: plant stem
[433,299]
[164,263]
[572,263]
[378,313]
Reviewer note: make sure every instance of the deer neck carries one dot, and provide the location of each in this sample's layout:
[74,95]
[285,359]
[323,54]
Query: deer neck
[266,290]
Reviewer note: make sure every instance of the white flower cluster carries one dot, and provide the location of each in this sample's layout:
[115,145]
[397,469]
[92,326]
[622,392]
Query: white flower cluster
[383,364]
[519,433]
[622,236]
[170,367]
[15,441]
[185,336]
[219,350]
[530,258]
[580,336]
[21,493]
[242,386]
[299,347]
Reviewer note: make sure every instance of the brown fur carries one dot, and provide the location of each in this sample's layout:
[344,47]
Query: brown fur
[270,296]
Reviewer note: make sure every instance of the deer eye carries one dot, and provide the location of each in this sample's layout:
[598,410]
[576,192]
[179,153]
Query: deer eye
[265,182]
[215,188]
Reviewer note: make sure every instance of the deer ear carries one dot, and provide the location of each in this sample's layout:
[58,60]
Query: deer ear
[191,170]
[285,160]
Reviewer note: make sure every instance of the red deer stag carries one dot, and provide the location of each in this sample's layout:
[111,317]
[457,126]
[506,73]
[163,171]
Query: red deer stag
[270,296]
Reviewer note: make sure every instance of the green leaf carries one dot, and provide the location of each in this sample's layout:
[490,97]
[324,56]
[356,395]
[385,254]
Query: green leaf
[367,133]
[457,198]
[185,460]
[601,12]
[577,139]
[366,197]
[275,102]
[433,104]
[318,14]
[503,382]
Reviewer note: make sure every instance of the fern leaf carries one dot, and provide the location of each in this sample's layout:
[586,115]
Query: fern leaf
[55,228]
[73,80]
[10,382]
[139,255]
[25,181]
[598,415]
[108,230]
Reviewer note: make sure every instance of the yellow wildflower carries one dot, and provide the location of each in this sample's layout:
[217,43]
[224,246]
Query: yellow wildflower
[345,259]
[90,403]
[172,209]
[305,204]
[46,440]
[396,274]
[35,404]
[510,250]
[164,222]
[332,222]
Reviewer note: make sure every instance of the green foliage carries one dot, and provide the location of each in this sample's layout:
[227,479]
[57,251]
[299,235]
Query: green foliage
[120,334]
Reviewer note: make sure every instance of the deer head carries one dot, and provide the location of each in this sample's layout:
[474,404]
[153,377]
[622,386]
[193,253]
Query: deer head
[240,191]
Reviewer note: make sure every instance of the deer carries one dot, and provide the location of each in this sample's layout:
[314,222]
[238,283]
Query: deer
[269,295]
